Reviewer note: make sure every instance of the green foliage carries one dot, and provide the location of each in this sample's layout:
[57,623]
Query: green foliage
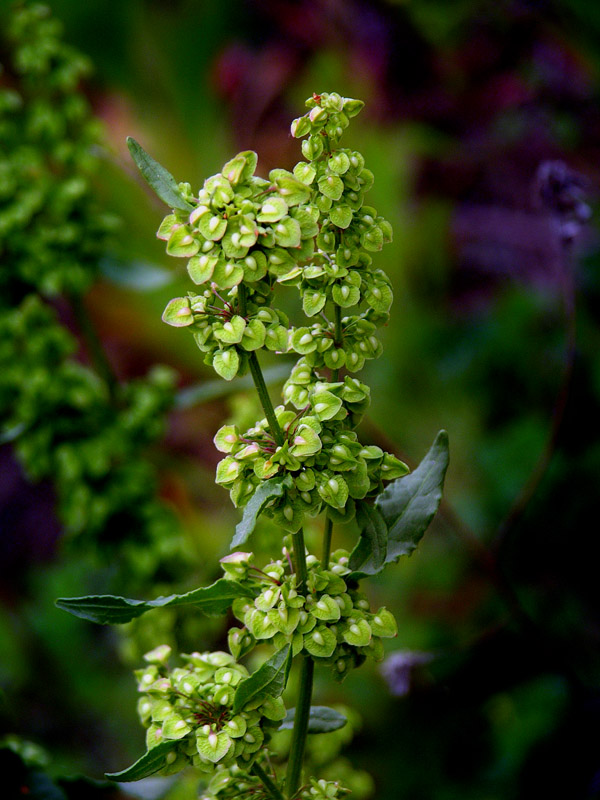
[161,181]
[268,681]
[90,442]
[110,610]
[52,228]
[152,762]
[71,423]
[402,513]
[271,488]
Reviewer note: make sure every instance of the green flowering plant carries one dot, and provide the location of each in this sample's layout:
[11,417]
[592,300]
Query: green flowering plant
[245,239]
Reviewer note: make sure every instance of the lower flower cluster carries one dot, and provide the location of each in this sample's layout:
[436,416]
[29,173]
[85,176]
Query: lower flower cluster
[233,783]
[332,622]
[192,707]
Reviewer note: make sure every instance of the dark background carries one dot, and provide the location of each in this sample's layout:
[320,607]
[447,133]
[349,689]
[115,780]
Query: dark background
[493,336]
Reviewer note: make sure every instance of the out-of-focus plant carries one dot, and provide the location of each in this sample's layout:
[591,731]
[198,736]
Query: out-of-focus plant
[74,424]
[244,238]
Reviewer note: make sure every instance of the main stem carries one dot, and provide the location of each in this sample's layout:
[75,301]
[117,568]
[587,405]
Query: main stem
[302,715]
[265,400]
[299,557]
[300,732]
[338,338]
[259,381]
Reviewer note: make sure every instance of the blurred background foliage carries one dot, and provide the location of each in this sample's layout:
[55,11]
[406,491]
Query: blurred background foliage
[492,690]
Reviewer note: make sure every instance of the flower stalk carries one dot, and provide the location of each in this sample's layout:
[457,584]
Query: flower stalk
[300,731]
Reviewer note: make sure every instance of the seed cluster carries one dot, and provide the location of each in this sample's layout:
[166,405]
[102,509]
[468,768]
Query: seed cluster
[191,706]
[331,621]
[321,459]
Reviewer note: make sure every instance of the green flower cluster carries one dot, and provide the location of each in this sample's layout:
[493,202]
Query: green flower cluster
[309,229]
[342,269]
[238,237]
[357,342]
[52,229]
[192,707]
[305,381]
[323,790]
[242,227]
[68,428]
[233,782]
[321,460]
[230,783]
[331,622]
[242,235]
[224,332]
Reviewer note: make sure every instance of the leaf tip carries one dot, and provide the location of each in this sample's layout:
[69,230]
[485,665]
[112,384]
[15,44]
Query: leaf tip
[442,437]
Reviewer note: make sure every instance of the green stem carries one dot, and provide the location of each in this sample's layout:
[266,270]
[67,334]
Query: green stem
[266,781]
[265,400]
[259,381]
[338,325]
[93,344]
[299,556]
[300,732]
[338,338]
[327,542]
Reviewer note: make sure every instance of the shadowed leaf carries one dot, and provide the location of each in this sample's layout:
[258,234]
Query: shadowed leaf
[371,548]
[264,494]
[321,720]
[149,764]
[160,180]
[407,506]
[268,680]
[109,609]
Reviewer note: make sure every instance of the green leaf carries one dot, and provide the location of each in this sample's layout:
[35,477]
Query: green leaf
[409,503]
[150,763]
[368,557]
[321,720]
[159,179]
[266,491]
[109,609]
[268,681]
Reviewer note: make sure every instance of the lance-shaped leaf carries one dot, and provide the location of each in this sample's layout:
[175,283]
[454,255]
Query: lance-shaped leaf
[150,763]
[268,680]
[370,552]
[266,492]
[409,503]
[321,720]
[159,179]
[109,609]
